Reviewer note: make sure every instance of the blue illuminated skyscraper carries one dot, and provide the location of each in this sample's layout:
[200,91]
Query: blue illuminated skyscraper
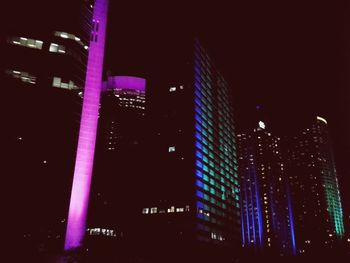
[266,214]
[194,198]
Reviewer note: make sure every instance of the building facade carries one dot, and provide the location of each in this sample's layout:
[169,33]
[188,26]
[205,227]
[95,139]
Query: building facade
[193,197]
[314,188]
[43,66]
[266,212]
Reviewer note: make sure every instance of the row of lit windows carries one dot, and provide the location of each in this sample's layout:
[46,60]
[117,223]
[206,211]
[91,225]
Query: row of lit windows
[27,42]
[205,141]
[172,209]
[229,176]
[223,165]
[208,132]
[101,232]
[66,35]
[56,48]
[38,44]
[57,82]
[221,192]
[23,76]
[205,168]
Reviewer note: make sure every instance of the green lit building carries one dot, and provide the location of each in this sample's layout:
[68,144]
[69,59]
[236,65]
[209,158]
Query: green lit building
[315,192]
[192,201]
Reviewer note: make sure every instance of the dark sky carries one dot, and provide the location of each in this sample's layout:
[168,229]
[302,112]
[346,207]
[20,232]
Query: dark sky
[291,57]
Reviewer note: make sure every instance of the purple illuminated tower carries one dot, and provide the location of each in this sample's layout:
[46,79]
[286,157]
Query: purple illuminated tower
[87,135]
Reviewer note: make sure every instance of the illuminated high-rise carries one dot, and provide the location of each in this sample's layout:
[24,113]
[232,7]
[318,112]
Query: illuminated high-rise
[315,191]
[266,212]
[193,199]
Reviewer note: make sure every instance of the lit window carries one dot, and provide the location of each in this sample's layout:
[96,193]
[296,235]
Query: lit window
[27,42]
[180,209]
[154,210]
[57,48]
[70,36]
[53,47]
[145,211]
[171,209]
[57,82]
[172,89]
[171,149]
[23,76]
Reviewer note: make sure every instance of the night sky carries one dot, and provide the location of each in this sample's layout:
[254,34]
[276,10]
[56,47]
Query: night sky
[293,58]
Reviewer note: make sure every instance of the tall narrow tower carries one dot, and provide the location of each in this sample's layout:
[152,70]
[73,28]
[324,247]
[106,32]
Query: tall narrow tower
[87,134]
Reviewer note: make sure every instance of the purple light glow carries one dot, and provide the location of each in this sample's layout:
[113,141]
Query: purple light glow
[125,82]
[87,134]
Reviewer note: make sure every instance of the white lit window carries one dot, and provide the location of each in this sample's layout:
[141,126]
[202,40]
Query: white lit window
[180,209]
[23,76]
[57,82]
[70,36]
[53,47]
[154,210]
[171,149]
[57,48]
[172,89]
[171,209]
[145,211]
[261,125]
[27,42]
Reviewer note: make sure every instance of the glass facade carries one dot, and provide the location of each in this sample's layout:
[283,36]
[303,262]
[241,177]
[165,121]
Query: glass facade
[217,188]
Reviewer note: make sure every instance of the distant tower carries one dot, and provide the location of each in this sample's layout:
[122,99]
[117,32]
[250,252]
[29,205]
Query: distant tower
[87,136]
[266,213]
[315,191]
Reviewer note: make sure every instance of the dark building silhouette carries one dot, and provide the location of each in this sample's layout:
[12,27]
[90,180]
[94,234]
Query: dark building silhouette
[119,169]
[42,73]
[266,212]
[191,205]
[315,192]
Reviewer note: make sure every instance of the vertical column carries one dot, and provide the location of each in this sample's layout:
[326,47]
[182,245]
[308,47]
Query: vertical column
[87,134]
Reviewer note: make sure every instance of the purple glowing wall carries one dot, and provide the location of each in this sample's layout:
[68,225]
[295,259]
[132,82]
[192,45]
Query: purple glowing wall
[79,200]
[125,82]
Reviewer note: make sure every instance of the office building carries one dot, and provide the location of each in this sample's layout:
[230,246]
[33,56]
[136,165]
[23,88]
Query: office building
[42,70]
[314,188]
[192,199]
[119,170]
[266,212]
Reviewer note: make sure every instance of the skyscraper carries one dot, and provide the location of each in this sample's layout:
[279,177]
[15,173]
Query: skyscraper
[266,212]
[192,199]
[315,190]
